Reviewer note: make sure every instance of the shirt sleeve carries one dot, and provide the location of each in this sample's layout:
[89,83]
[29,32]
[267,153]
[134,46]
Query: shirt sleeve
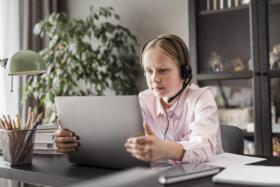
[143,107]
[200,144]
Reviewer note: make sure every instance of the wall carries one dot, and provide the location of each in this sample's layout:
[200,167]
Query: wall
[145,18]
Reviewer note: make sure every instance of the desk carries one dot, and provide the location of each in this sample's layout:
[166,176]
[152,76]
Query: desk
[51,170]
[55,170]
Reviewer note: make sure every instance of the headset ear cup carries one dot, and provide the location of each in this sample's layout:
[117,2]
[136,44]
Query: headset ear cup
[186,72]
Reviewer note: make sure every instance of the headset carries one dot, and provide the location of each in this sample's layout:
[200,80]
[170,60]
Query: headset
[185,70]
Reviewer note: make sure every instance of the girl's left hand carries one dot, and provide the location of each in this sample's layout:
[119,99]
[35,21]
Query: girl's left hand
[148,147]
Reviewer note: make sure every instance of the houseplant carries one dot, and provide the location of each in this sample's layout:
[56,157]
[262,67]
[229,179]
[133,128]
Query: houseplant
[85,57]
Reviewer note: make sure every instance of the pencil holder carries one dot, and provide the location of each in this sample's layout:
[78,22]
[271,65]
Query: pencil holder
[18,146]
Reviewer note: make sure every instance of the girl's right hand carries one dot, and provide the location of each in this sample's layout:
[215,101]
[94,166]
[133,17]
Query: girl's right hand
[66,141]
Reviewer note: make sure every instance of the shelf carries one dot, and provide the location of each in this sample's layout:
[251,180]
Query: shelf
[274,73]
[225,10]
[232,75]
[251,134]
[232,9]
[274,2]
[248,134]
[224,76]
[250,127]
[245,31]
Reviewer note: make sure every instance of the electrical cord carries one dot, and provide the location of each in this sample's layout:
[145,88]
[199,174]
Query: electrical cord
[168,118]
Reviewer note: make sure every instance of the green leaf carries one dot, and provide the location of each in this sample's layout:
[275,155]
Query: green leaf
[85,56]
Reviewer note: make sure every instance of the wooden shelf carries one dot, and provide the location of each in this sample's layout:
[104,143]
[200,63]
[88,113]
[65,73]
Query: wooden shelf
[225,10]
[224,76]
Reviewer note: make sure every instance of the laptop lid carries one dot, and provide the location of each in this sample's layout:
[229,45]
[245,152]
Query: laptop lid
[103,123]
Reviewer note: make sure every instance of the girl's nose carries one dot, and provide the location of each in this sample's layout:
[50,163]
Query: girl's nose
[155,77]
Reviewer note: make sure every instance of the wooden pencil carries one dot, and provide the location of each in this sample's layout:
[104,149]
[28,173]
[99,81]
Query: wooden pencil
[2,124]
[29,113]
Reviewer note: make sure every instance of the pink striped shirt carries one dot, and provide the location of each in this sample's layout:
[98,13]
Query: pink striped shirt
[193,123]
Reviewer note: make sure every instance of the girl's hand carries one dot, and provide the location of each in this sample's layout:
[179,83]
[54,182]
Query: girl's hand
[66,141]
[148,147]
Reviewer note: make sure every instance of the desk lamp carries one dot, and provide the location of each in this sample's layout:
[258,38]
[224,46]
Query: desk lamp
[24,62]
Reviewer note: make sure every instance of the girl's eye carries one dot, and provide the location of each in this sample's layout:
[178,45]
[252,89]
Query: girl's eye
[163,70]
[149,72]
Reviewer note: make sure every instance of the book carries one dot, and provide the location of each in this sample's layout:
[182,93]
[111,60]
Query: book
[208,5]
[236,3]
[215,4]
[44,146]
[183,172]
[44,137]
[229,3]
[47,128]
[45,151]
[222,4]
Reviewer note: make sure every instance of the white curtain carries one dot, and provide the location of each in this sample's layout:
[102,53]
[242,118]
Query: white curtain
[9,44]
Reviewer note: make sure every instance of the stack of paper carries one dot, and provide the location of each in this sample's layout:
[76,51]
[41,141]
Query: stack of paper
[237,172]
[250,175]
[226,160]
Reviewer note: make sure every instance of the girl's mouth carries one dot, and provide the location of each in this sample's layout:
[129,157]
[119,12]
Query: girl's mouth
[158,88]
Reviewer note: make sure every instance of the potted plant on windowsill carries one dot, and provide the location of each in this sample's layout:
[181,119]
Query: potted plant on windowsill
[85,57]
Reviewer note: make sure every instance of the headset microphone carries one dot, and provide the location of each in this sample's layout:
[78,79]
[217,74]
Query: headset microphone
[182,89]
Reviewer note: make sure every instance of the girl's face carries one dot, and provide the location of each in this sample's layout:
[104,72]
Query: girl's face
[162,73]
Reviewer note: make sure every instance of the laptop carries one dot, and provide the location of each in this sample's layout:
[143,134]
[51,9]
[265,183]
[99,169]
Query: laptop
[103,123]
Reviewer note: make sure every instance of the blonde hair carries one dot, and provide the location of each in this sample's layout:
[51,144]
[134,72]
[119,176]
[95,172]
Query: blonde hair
[170,44]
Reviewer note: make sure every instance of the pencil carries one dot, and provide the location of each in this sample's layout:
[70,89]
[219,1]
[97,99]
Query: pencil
[28,139]
[29,113]
[14,125]
[59,124]
[6,122]
[17,122]
[2,124]
[9,120]
[39,118]
[29,125]
[23,141]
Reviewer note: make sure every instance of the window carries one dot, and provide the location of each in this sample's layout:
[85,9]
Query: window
[9,43]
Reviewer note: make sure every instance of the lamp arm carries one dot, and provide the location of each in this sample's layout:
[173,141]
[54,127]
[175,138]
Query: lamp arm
[3,62]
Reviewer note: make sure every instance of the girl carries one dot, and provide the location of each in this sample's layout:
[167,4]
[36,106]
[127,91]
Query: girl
[180,119]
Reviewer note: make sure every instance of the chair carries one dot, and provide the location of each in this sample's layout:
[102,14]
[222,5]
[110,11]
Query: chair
[232,139]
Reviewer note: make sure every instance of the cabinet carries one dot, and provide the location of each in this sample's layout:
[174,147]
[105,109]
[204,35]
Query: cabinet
[232,43]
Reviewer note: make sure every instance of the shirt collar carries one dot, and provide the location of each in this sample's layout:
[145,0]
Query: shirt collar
[176,109]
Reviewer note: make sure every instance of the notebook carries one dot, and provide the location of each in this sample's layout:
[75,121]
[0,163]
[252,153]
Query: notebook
[250,175]
[103,123]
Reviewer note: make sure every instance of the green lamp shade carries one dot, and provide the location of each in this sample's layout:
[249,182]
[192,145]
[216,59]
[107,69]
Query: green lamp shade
[25,62]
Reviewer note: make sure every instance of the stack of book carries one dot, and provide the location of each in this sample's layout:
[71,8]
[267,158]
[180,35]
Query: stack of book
[223,4]
[238,117]
[44,140]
